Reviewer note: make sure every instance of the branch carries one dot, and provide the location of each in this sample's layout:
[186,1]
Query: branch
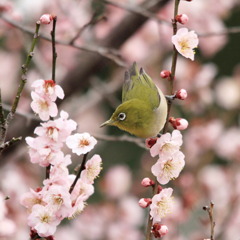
[138,10]
[109,53]
[82,167]
[210,214]
[54,53]
[6,122]
[122,138]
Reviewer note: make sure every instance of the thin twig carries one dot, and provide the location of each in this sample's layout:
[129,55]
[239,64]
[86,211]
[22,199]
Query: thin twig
[138,10]
[54,53]
[94,19]
[173,70]
[109,53]
[82,167]
[123,138]
[2,122]
[10,143]
[210,214]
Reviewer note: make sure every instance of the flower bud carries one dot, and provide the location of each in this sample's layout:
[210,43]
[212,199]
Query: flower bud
[146,182]
[149,142]
[181,94]
[159,230]
[165,74]
[46,18]
[178,123]
[182,18]
[145,202]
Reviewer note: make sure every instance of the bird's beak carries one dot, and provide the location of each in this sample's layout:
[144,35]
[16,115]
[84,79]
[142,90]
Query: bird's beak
[108,122]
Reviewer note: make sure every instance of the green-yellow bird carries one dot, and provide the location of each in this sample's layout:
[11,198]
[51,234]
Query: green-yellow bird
[143,110]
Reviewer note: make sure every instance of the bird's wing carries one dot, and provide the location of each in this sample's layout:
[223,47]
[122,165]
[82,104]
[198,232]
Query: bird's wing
[137,84]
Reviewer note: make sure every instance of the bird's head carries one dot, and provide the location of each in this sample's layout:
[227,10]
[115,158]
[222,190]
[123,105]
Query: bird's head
[132,116]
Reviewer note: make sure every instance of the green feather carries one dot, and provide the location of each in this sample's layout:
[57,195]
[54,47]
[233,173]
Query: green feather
[138,85]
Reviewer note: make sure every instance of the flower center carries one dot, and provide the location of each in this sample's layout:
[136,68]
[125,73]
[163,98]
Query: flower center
[165,206]
[84,143]
[45,218]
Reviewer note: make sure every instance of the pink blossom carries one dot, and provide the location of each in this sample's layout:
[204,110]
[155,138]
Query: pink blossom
[44,107]
[46,18]
[41,151]
[167,144]
[178,123]
[81,143]
[159,230]
[181,94]
[48,89]
[165,74]
[29,199]
[162,204]
[145,202]
[185,42]
[58,199]
[83,190]
[43,220]
[169,168]
[182,18]
[92,169]
[146,182]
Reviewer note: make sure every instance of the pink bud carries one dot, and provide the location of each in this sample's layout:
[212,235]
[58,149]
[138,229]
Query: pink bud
[145,202]
[46,18]
[150,142]
[159,230]
[178,123]
[182,18]
[181,94]
[165,74]
[146,182]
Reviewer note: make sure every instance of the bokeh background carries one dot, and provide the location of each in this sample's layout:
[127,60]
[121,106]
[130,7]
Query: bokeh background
[109,38]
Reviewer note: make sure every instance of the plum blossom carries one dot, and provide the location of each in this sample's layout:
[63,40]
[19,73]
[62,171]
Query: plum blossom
[59,198]
[43,220]
[168,169]
[92,169]
[48,89]
[162,204]
[57,130]
[167,144]
[185,42]
[44,107]
[29,199]
[81,143]
[41,151]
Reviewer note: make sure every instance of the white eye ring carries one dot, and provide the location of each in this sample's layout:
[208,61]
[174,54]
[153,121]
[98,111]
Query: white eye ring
[121,116]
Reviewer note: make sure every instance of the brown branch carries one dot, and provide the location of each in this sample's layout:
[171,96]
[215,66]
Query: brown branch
[54,53]
[109,53]
[138,10]
[122,138]
[210,214]
[11,114]
[82,167]
[94,19]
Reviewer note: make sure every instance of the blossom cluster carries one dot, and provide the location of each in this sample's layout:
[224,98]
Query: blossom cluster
[168,167]
[63,195]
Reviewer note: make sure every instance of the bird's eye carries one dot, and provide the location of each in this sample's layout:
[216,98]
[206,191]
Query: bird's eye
[121,116]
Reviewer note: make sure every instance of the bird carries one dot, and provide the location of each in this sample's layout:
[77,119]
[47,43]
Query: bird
[143,110]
